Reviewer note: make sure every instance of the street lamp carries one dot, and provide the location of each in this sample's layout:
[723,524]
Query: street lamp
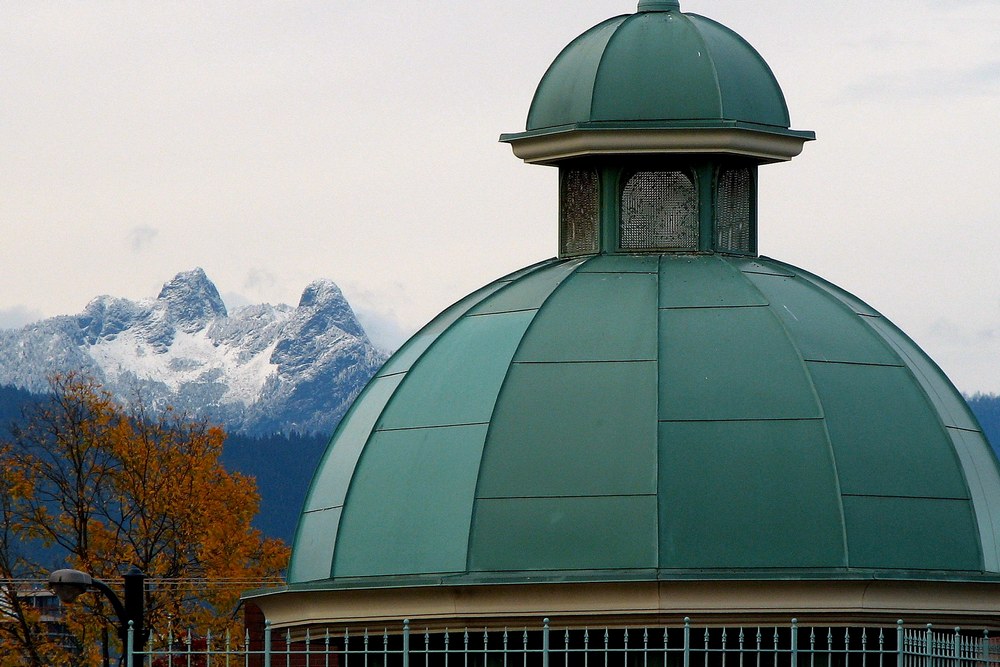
[68,585]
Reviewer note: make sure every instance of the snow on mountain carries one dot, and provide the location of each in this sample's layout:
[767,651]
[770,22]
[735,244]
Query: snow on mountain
[261,369]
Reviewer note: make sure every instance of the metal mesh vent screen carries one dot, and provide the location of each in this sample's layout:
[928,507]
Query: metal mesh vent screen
[579,212]
[733,210]
[659,211]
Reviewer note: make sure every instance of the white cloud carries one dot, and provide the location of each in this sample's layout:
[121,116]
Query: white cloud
[139,238]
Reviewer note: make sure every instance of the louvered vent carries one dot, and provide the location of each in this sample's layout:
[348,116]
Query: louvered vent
[579,212]
[659,211]
[734,211]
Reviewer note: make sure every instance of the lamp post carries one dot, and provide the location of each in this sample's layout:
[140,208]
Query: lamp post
[68,585]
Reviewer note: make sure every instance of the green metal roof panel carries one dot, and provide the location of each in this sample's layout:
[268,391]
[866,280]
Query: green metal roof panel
[621,264]
[852,302]
[458,382]
[818,325]
[413,348]
[695,282]
[531,290]
[898,449]
[951,407]
[749,89]
[911,533]
[565,92]
[569,328]
[655,67]
[748,494]
[573,415]
[610,532]
[329,488]
[983,479]
[411,503]
[760,265]
[315,538]
[730,363]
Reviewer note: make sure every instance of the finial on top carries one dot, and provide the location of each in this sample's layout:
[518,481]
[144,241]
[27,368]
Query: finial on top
[659,5]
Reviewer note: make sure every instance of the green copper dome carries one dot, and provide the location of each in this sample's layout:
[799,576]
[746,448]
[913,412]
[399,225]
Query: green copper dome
[658,67]
[658,70]
[651,417]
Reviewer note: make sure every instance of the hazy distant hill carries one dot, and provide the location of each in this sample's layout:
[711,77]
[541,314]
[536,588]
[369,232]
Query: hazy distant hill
[260,370]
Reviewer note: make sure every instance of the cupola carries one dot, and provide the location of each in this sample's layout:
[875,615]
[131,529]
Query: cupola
[657,122]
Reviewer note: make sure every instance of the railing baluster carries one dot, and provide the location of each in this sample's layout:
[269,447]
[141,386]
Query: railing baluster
[406,643]
[687,642]
[928,647]
[812,646]
[725,649]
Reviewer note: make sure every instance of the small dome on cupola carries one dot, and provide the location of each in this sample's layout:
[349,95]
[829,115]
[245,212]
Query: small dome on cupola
[658,81]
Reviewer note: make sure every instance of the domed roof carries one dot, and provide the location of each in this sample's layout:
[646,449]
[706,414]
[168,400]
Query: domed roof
[658,66]
[659,69]
[626,417]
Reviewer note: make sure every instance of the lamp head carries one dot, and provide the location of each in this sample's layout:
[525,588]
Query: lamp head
[68,585]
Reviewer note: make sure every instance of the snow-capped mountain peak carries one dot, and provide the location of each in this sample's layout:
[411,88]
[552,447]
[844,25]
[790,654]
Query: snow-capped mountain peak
[191,300]
[261,369]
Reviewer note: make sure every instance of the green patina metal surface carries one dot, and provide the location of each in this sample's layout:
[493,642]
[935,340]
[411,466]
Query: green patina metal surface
[624,417]
[659,68]
[653,417]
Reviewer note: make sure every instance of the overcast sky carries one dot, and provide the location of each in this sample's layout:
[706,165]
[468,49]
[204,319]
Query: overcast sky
[273,143]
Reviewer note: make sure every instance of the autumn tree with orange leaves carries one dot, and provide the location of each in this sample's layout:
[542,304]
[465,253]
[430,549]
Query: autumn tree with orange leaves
[112,487]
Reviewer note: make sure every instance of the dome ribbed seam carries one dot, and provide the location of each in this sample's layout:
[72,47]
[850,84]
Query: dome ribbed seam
[503,383]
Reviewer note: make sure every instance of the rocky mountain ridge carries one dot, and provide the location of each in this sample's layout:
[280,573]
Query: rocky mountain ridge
[262,369]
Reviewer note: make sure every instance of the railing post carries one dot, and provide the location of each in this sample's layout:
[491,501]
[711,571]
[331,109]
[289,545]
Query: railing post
[687,641]
[129,643]
[957,647]
[545,642]
[795,642]
[929,647]
[900,644]
[267,643]
[406,642]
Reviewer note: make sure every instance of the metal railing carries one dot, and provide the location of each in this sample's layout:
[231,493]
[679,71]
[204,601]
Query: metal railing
[686,644]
